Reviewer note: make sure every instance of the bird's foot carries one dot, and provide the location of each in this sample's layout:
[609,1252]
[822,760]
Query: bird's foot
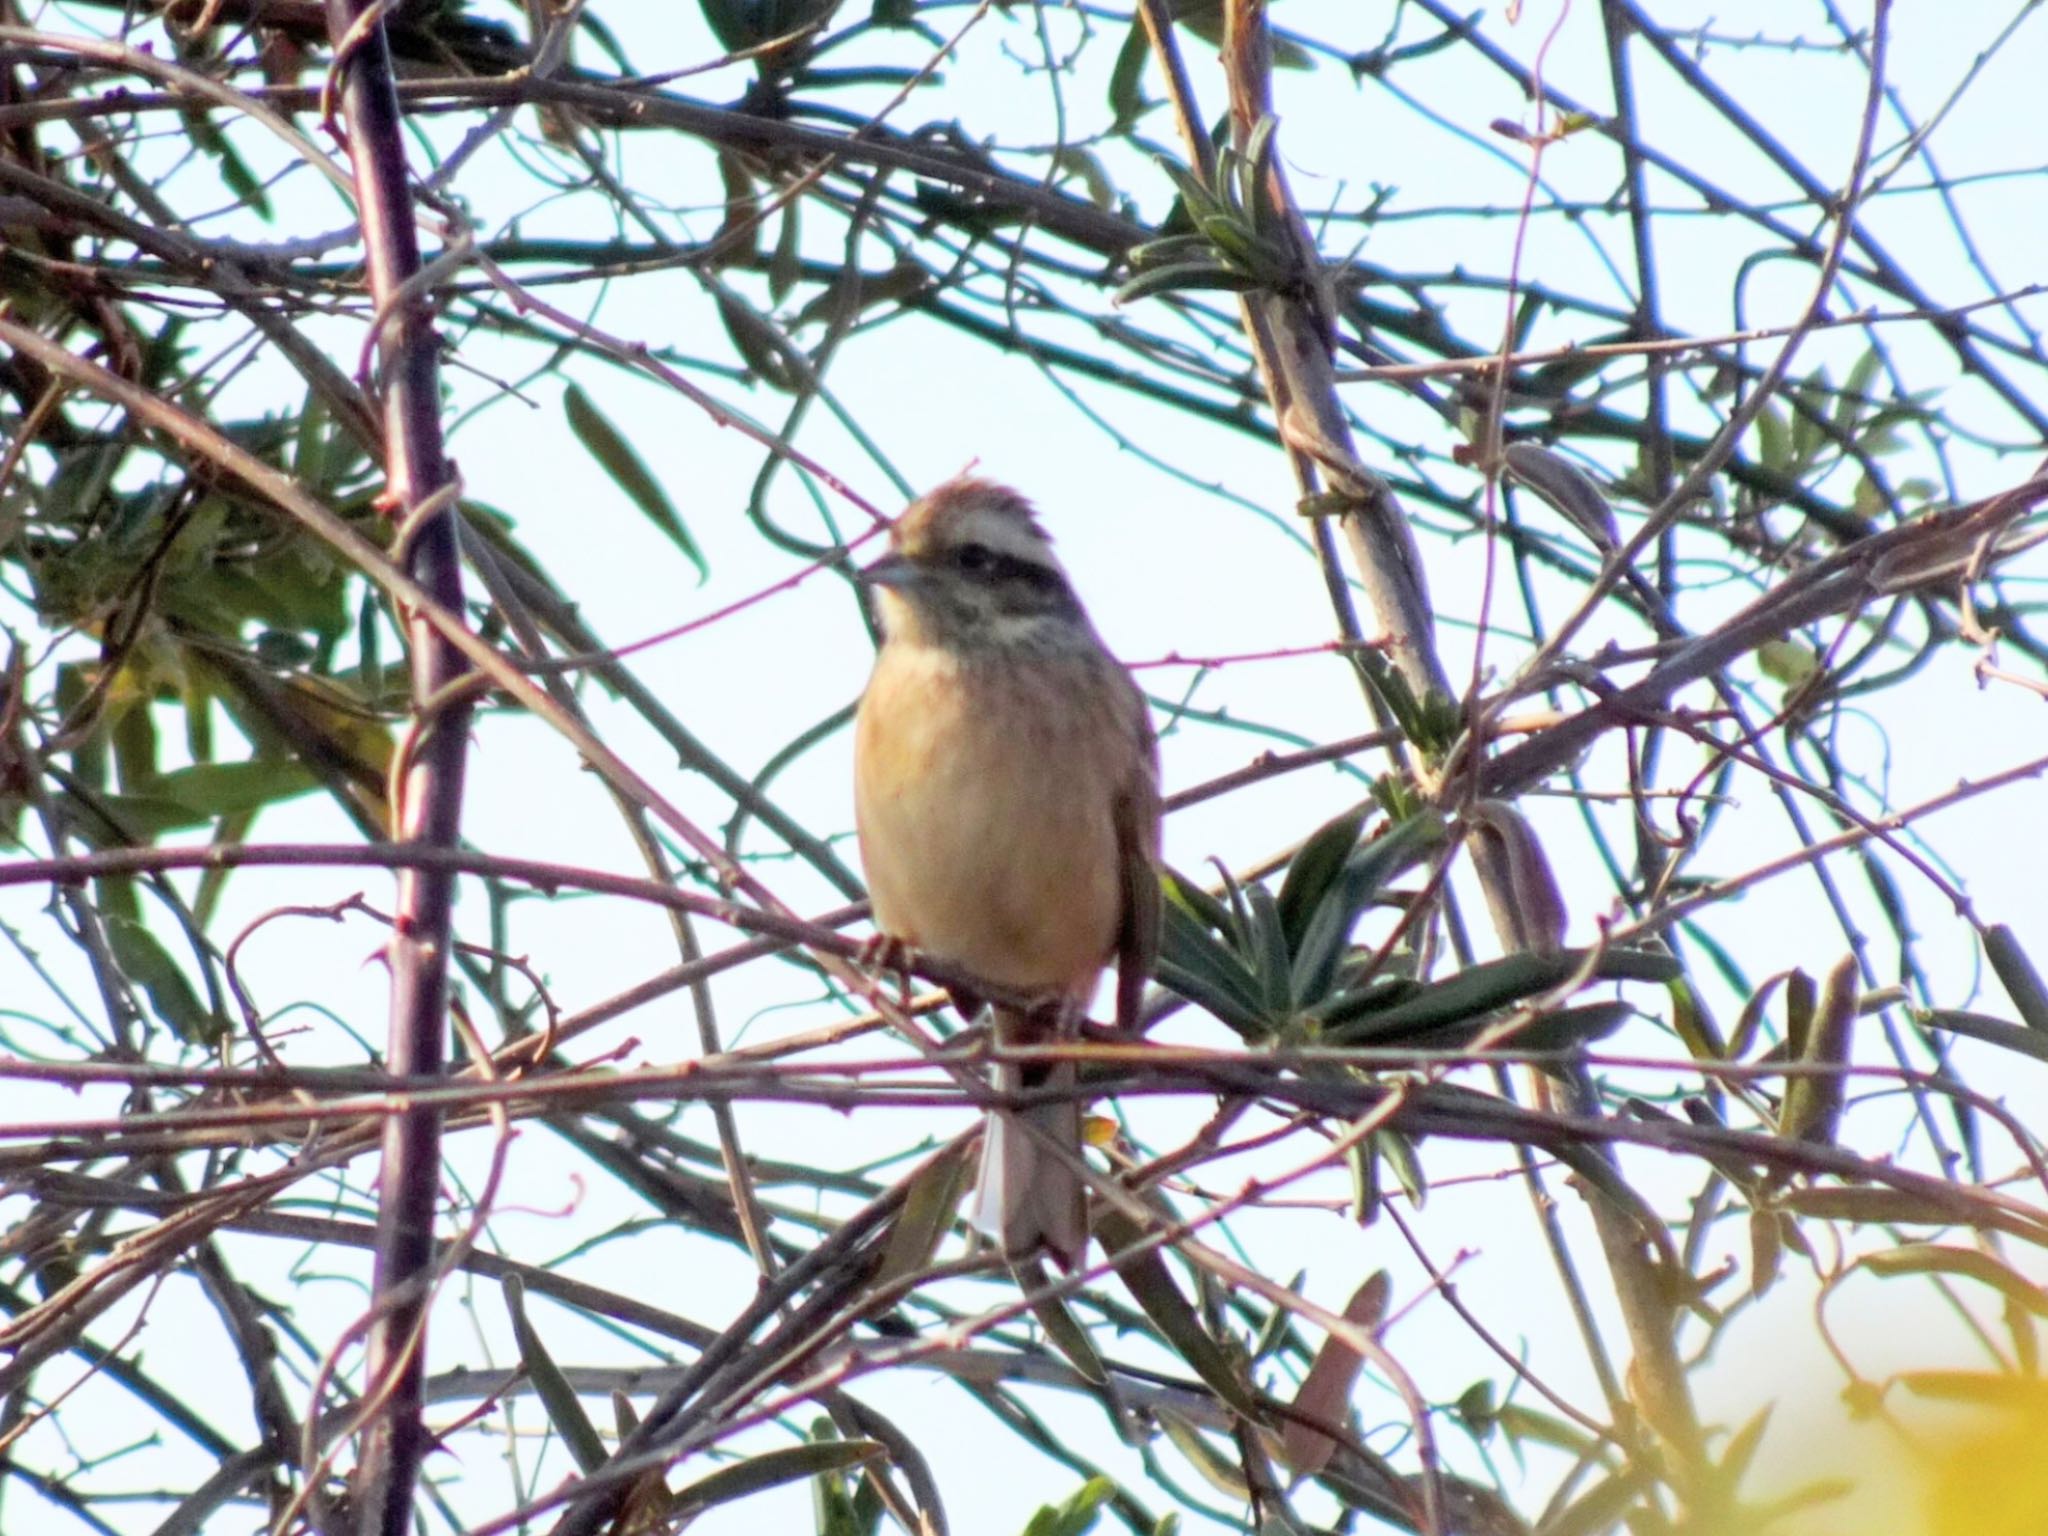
[884,952]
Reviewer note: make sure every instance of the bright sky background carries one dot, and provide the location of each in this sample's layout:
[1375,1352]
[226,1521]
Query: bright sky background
[1166,569]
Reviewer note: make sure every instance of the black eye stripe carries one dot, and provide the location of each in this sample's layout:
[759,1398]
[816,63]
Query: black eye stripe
[992,565]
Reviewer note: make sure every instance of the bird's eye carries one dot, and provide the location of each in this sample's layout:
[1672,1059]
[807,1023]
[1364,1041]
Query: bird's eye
[976,559]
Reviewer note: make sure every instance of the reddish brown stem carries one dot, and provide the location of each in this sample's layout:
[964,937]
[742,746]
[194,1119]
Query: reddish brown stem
[428,799]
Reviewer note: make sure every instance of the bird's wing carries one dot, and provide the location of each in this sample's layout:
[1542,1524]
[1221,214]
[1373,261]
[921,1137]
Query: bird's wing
[1137,941]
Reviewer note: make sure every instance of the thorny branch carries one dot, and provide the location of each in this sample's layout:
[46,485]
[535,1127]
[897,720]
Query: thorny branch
[171,241]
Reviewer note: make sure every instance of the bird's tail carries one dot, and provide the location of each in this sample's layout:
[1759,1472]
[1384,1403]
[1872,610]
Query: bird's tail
[1030,1198]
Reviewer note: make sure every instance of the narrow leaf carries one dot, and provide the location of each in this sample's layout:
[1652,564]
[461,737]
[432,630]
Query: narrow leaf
[1188,277]
[1978,1026]
[1325,1393]
[1127,101]
[1813,1101]
[564,1408]
[2022,982]
[230,789]
[1567,488]
[1312,869]
[928,1207]
[144,961]
[1866,1203]
[1269,954]
[1218,1471]
[771,1469]
[1365,874]
[1146,1276]
[1061,1328]
[629,472]
[1968,1263]
[1075,1516]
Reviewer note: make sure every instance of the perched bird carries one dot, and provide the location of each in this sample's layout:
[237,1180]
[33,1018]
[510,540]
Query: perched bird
[1006,785]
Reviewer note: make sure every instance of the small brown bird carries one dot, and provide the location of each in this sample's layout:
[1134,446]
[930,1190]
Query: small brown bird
[1006,784]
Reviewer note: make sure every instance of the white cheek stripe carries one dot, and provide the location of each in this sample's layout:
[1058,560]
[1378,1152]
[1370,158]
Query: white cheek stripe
[1008,536]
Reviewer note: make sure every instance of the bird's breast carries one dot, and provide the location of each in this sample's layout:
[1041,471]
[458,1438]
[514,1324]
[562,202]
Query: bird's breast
[985,791]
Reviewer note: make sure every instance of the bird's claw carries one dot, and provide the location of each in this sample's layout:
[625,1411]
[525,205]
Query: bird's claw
[885,952]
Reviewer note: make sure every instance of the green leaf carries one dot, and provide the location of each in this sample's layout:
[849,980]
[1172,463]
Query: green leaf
[1146,1275]
[1201,968]
[135,819]
[868,1508]
[1396,694]
[1977,1026]
[1865,1203]
[1077,1515]
[1813,1100]
[1691,1022]
[1187,277]
[833,1505]
[1398,1152]
[1750,1020]
[1254,161]
[771,1469]
[1475,1408]
[1774,440]
[1198,904]
[1168,248]
[1967,1263]
[1564,1029]
[1127,101]
[1357,886]
[1766,1251]
[630,473]
[1278,1327]
[1800,993]
[1232,239]
[1601,1507]
[1194,194]
[1809,402]
[787,264]
[1222,1473]
[2016,971]
[1989,1389]
[1315,867]
[1856,397]
[1087,169]
[133,735]
[144,961]
[1479,989]
[1521,1423]
[370,645]
[207,138]
[927,1215]
[1567,488]
[1066,1334]
[1269,954]
[563,1407]
[1363,1164]
[1786,661]
[763,348]
[309,444]
[212,790]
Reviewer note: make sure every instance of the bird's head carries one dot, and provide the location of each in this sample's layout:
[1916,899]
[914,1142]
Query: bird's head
[968,565]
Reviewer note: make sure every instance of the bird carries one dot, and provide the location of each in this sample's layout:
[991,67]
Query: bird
[1006,796]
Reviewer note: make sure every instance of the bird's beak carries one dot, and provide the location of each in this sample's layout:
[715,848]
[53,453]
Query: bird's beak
[892,571]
